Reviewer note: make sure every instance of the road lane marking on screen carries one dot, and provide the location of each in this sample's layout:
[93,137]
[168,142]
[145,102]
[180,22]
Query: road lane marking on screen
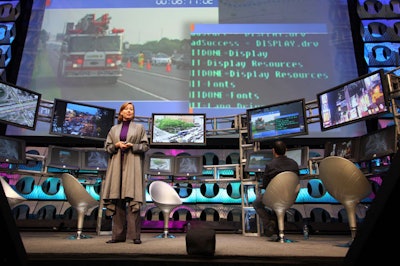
[143,91]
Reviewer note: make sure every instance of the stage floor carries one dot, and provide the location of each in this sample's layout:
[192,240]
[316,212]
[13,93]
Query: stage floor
[56,248]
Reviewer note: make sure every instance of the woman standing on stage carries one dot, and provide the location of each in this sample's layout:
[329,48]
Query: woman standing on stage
[123,190]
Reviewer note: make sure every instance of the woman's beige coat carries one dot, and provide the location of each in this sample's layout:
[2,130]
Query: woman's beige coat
[129,185]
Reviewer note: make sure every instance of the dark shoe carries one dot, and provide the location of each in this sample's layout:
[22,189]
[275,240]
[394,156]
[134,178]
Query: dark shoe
[112,241]
[137,241]
[270,228]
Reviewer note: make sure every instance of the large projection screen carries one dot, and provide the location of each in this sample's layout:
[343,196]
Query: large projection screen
[156,25]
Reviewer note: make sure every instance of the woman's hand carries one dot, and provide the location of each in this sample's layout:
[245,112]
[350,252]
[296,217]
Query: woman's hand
[124,145]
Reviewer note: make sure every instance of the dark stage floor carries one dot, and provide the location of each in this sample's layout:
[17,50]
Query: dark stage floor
[56,248]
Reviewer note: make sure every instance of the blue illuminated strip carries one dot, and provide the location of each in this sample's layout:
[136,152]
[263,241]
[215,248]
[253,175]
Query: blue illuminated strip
[62,4]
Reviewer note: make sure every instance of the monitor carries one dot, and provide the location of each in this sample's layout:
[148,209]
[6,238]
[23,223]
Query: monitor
[94,159]
[348,148]
[300,155]
[18,106]
[63,158]
[159,164]
[377,144]
[284,119]
[188,165]
[12,150]
[256,160]
[178,129]
[81,120]
[357,100]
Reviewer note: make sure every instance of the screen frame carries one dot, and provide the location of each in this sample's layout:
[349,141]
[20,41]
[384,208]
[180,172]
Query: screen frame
[304,156]
[382,133]
[267,109]
[61,105]
[337,147]
[169,159]
[20,148]
[323,119]
[200,117]
[84,162]
[53,161]
[251,167]
[6,86]
[196,160]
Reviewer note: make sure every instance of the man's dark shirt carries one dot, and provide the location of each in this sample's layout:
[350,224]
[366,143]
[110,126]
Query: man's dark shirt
[277,165]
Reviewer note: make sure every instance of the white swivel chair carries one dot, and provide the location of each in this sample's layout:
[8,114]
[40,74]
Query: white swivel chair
[166,199]
[280,195]
[347,184]
[13,197]
[79,199]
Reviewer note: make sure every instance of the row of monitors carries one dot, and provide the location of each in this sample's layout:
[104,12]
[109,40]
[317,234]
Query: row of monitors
[96,159]
[158,164]
[13,151]
[358,149]
[371,146]
[374,145]
[360,99]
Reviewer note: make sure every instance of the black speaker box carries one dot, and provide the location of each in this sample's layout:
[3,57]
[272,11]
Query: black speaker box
[379,231]
[200,242]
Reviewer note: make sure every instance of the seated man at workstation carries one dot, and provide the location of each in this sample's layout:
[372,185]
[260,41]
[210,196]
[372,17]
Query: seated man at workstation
[278,164]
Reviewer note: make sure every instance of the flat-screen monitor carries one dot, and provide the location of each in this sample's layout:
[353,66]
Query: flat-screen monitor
[63,158]
[178,129]
[360,99]
[81,120]
[188,165]
[12,150]
[94,159]
[346,148]
[284,119]
[300,155]
[377,144]
[159,164]
[256,160]
[18,106]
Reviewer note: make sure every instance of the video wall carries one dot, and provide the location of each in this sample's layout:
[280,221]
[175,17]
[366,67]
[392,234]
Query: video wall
[224,78]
